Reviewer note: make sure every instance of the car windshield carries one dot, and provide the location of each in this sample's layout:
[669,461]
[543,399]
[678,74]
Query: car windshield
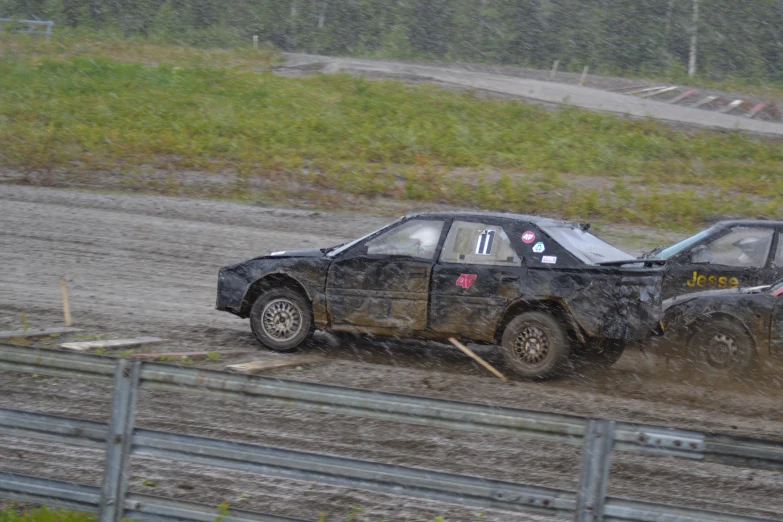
[584,245]
[669,252]
[345,246]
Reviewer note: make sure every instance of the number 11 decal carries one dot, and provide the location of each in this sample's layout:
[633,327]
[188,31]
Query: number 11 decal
[484,244]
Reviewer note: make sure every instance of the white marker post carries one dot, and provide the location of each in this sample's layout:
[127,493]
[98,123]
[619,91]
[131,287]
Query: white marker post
[554,69]
[255,41]
[66,304]
[584,75]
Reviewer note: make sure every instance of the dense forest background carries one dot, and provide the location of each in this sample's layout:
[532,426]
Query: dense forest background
[735,39]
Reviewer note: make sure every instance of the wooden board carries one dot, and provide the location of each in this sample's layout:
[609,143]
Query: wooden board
[730,107]
[755,110]
[179,355]
[38,332]
[649,89]
[269,364]
[683,96]
[659,92]
[114,343]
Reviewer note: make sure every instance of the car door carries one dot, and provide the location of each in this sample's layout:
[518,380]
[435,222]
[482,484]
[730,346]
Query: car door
[735,257]
[382,284]
[478,273]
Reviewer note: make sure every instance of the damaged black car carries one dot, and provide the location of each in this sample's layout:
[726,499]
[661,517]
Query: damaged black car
[729,254]
[546,291]
[731,332]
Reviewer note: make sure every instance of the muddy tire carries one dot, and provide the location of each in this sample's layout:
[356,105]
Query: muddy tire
[281,319]
[535,345]
[723,347]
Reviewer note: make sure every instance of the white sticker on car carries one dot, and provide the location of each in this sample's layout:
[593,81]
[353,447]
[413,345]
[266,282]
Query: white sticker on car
[484,243]
[549,260]
[539,247]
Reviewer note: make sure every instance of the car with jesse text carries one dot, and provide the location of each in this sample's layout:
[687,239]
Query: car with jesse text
[733,331]
[547,291]
[729,254]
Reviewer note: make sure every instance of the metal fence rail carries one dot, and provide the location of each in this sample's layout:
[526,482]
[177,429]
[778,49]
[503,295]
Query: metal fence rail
[121,439]
[31,26]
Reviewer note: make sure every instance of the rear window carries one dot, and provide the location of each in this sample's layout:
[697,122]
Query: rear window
[585,246]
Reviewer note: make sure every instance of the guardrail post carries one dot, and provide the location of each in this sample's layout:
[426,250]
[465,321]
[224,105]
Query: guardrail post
[594,479]
[119,439]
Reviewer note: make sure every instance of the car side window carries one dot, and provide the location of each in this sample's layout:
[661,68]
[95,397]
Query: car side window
[742,247]
[478,244]
[416,238]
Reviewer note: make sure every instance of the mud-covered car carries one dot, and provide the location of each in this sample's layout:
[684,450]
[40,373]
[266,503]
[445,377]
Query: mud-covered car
[545,290]
[733,331]
[729,254]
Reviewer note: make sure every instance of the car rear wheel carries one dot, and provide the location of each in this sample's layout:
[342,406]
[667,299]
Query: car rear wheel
[281,319]
[535,345]
[725,347]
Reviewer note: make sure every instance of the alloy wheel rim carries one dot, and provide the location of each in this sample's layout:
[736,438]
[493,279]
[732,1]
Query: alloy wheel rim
[281,319]
[532,346]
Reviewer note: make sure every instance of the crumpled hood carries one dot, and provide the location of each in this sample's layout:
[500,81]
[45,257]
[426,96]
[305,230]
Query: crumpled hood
[306,252]
[684,298]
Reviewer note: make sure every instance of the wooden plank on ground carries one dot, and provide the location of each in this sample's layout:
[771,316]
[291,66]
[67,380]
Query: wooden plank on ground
[626,88]
[658,93]
[648,89]
[38,332]
[683,96]
[470,353]
[755,110]
[181,355]
[270,364]
[733,105]
[113,343]
[704,101]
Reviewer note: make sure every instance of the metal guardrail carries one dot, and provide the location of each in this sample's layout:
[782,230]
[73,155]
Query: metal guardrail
[121,439]
[31,25]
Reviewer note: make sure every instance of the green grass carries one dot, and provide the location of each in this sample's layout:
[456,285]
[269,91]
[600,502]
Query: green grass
[44,514]
[129,107]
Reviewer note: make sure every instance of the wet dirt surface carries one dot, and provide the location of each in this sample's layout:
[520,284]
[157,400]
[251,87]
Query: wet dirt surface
[140,265]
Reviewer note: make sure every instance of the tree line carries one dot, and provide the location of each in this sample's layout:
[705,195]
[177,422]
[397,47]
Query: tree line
[730,38]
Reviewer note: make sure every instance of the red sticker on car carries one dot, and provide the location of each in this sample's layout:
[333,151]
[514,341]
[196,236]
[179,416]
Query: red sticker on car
[528,237]
[466,280]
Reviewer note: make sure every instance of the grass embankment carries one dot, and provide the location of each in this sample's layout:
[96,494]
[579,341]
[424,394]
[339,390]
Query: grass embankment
[80,107]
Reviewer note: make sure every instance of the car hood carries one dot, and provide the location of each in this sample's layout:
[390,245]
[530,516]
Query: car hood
[684,298]
[306,252]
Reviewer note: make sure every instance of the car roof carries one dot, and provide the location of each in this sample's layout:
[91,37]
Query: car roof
[527,218]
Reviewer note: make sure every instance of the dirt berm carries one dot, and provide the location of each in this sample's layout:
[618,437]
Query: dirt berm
[505,82]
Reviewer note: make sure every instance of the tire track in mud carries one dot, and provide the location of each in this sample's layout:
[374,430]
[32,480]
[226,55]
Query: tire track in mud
[148,265]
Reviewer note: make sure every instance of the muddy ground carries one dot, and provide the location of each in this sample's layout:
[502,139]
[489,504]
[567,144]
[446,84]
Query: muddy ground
[146,265]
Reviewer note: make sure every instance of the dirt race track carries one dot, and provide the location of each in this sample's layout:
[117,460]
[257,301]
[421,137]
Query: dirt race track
[143,265]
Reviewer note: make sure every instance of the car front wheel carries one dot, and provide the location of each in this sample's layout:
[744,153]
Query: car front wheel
[281,319]
[535,345]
